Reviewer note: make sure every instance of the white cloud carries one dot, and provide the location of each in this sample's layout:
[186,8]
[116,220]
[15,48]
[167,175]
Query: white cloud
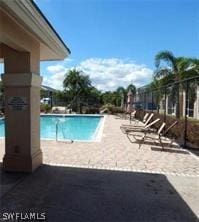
[56,77]
[57,74]
[105,74]
[56,68]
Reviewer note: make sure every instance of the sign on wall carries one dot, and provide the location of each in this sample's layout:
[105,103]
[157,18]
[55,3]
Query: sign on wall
[17,103]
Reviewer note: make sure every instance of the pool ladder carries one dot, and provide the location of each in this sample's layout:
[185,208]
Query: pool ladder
[56,125]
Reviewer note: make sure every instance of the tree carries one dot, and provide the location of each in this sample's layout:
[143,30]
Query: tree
[94,96]
[62,98]
[78,85]
[122,93]
[132,88]
[158,92]
[1,87]
[76,81]
[43,93]
[173,69]
[110,98]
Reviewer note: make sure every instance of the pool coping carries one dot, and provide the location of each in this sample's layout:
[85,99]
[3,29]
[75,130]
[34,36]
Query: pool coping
[60,114]
[99,130]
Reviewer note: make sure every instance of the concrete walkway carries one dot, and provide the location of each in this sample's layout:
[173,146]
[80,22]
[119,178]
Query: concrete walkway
[124,184]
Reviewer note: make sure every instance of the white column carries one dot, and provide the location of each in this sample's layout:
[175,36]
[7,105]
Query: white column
[184,103]
[196,104]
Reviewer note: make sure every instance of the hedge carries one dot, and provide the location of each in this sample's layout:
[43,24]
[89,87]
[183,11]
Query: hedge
[177,132]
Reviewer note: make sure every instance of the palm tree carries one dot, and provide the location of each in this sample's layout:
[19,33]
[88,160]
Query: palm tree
[131,88]
[156,92]
[76,81]
[77,84]
[122,92]
[174,70]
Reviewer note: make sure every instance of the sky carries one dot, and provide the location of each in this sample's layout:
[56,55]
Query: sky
[115,41]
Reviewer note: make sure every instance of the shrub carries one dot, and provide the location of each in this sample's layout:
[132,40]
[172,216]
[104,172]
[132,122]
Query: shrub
[45,108]
[91,110]
[112,109]
[177,132]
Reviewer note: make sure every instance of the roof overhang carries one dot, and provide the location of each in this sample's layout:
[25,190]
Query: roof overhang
[47,88]
[28,16]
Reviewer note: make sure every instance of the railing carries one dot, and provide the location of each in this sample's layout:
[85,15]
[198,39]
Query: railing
[179,100]
[57,128]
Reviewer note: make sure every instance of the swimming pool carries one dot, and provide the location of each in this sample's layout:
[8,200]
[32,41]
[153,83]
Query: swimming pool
[68,127]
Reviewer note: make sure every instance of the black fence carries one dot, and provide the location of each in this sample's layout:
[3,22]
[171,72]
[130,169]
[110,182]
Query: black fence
[1,102]
[178,100]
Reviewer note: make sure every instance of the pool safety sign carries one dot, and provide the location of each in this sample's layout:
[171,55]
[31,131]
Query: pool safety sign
[17,103]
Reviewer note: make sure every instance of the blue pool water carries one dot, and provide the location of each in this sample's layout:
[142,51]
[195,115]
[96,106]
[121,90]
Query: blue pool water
[2,128]
[84,128]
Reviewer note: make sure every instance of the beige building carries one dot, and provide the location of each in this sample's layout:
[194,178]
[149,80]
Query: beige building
[192,105]
[26,38]
[145,98]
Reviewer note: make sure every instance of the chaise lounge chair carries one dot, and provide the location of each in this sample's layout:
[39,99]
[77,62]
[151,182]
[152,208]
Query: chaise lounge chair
[158,136]
[132,116]
[136,121]
[146,121]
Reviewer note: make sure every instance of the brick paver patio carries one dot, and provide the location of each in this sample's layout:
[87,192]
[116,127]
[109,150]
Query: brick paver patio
[115,151]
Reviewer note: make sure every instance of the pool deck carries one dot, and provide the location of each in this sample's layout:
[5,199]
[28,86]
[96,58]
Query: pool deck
[115,168]
[115,151]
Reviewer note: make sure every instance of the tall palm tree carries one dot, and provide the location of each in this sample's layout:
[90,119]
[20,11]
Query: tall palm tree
[77,84]
[76,81]
[122,92]
[173,69]
[131,88]
[156,93]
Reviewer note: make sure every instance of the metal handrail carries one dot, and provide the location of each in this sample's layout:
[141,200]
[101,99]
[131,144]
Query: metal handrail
[56,125]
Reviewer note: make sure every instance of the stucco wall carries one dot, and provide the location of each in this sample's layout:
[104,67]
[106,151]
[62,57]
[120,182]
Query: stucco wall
[14,36]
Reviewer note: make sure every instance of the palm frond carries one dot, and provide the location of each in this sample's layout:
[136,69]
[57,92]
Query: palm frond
[162,72]
[166,56]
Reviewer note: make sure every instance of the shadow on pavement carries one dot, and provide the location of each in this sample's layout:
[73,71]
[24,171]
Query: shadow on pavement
[194,151]
[74,194]
[8,181]
[167,146]
[170,150]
